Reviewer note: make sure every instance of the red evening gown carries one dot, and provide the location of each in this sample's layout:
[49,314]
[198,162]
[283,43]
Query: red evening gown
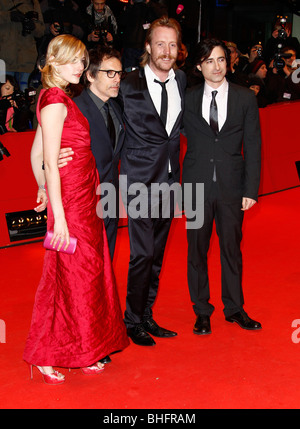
[77,318]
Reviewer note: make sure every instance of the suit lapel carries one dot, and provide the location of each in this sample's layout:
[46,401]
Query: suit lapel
[182,95]
[181,90]
[98,119]
[121,130]
[198,109]
[144,89]
[230,107]
[93,112]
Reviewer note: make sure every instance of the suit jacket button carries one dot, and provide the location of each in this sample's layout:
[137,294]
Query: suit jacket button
[216,140]
[211,160]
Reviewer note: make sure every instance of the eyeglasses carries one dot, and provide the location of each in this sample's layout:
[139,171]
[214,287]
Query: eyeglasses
[112,73]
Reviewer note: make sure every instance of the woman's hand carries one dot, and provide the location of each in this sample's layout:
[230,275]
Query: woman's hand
[61,234]
[65,155]
[42,200]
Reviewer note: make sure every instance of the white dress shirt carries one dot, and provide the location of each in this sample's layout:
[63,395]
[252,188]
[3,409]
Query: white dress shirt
[221,100]
[174,100]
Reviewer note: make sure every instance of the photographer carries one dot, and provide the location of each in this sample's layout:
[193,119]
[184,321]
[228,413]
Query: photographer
[101,25]
[15,114]
[272,86]
[281,37]
[134,22]
[254,51]
[234,74]
[20,24]
[284,67]
[60,17]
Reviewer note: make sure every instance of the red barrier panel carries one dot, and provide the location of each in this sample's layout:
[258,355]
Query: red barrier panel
[280,146]
[280,151]
[18,185]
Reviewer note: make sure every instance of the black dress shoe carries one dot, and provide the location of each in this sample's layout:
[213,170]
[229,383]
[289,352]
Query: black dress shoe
[202,325]
[139,336]
[106,359]
[244,321]
[152,327]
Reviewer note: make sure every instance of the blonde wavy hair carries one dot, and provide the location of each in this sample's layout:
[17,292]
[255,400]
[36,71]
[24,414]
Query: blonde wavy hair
[63,49]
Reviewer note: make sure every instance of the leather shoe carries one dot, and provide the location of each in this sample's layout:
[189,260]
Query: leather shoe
[244,321]
[202,325]
[152,327]
[139,336]
[106,359]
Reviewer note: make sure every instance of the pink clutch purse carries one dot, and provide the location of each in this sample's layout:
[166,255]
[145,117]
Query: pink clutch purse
[70,249]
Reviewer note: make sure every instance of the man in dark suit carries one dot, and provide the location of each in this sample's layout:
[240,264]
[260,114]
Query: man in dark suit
[102,83]
[221,123]
[150,156]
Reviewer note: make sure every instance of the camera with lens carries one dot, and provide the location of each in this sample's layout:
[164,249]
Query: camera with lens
[27,19]
[282,34]
[57,27]
[278,62]
[22,115]
[63,27]
[22,99]
[259,51]
[101,33]
[101,30]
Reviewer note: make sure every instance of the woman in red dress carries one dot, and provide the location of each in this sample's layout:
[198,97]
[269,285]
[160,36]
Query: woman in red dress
[77,318]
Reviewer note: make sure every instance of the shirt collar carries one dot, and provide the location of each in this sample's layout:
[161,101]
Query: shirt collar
[151,75]
[99,103]
[222,89]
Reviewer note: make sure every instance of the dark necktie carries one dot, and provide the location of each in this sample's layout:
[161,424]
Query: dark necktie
[213,112]
[110,125]
[164,101]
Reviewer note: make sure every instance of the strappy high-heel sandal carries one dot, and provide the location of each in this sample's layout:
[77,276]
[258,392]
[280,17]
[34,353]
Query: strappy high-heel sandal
[53,378]
[93,369]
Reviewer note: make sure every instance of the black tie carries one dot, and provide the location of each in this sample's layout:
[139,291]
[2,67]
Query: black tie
[213,113]
[110,125]
[164,101]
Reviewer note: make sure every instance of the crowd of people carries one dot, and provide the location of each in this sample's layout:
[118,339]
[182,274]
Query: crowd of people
[267,70]
[80,138]
[28,28]
[270,70]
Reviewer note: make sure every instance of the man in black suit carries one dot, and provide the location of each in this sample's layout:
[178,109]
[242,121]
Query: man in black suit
[150,156]
[221,123]
[102,83]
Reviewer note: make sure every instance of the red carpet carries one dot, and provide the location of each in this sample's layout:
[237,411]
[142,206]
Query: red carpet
[229,369]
